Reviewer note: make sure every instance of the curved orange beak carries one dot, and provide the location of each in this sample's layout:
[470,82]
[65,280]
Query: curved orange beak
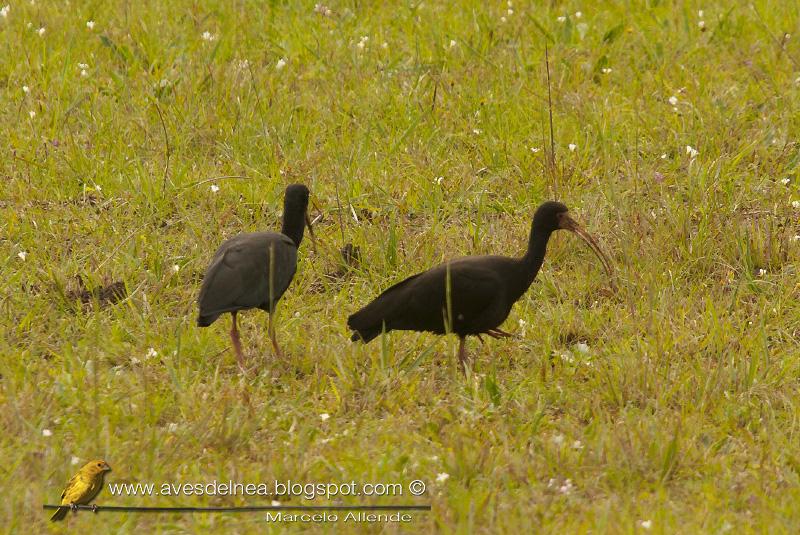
[567,223]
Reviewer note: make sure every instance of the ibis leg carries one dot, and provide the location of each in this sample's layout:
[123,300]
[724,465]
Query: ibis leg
[462,355]
[498,333]
[237,344]
[271,329]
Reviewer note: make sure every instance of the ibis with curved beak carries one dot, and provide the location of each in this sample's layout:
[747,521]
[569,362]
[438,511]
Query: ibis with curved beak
[253,270]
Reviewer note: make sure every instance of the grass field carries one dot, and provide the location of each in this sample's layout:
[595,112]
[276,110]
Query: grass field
[134,144]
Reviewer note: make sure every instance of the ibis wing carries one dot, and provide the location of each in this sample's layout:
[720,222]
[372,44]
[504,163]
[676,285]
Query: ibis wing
[374,314]
[422,302]
[282,263]
[474,291]
[239,274]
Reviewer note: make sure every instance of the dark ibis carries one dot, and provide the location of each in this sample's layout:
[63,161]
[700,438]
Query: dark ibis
[254,269]
[472,295]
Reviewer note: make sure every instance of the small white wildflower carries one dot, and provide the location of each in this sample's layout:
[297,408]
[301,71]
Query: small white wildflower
[172,427]
[83,65]
[362,43]
[163,83]
[582,347]
[441,477]
[691,151]
[558,440]
[566,356]
[26,89]
[47,433]
[275,503]
[701,24]
[41,31]
[176,268]
[438,180]
[606,70]
[700,14]
[477,131]
[151,353]
[567,487]
[29,25]
[323,10]
[673,100]
[297,314]
[523,327]
[582,28]
[796,205]
[22,255]
[31,114]
[572,147]
[646,524]
[502,19]
[510,12]
[90,24]
[796,237]
[535,149]
[577,445]
[578,14]
[562,19]
[664,156]
[453,43]
[786,180]
[762,272]
[208,36]
[4,11]
[214,188]
[324,416]
[74,460]
[281,64]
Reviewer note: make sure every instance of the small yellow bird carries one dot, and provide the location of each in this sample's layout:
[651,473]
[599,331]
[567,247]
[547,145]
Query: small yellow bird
[82,488]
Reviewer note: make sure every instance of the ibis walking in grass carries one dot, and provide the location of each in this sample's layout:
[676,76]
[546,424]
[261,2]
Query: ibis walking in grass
[467,296]
[253,270]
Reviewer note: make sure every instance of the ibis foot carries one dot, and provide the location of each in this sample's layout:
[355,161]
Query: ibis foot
[462,355]
[499,333]
[237,344]
[275,348]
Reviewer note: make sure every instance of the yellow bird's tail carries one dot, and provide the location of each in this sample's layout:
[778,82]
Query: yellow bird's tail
[60,513]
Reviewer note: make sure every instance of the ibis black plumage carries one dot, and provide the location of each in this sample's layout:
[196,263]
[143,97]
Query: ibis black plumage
[253,270]
[472,295]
